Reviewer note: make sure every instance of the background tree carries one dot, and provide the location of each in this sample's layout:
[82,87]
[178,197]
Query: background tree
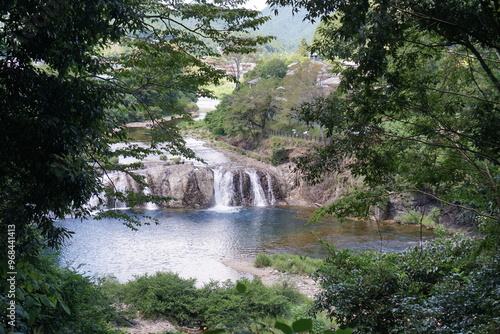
[302,84]
[417,112]
[268,68]
[304,49]
[57,91]
[252,107]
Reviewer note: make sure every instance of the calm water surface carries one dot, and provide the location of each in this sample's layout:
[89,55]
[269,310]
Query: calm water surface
[194,243]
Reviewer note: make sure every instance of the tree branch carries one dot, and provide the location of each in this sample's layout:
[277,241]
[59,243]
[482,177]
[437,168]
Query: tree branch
[458,94]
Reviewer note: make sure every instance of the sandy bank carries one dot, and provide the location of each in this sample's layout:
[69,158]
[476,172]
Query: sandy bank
[270,276]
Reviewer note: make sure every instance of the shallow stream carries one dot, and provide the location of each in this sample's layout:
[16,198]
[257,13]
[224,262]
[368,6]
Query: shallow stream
[194,243]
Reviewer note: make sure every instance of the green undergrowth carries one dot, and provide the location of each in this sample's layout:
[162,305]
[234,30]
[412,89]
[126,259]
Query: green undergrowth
[429,221]
[293,264]
[214,305]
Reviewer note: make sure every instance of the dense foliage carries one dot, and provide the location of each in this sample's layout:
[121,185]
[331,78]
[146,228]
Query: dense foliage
[52,299]
[418,108]
[417,112]
[449,286]
[294,264]
[60,94]
[265,98]
[179,300]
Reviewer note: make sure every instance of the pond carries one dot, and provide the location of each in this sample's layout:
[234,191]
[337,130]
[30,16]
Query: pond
[193,243]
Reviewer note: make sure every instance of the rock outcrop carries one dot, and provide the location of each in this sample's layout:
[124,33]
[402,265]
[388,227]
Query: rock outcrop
[199,187]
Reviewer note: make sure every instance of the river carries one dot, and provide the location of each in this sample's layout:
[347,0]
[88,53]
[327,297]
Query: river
[194,243]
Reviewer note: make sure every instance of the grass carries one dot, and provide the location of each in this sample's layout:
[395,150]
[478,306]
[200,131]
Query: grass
[293,264]
[430,221]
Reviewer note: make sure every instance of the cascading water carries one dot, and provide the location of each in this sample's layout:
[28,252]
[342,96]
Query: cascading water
[149,205]
[121,183]
[242,187]
[223,189]
[270,190]
[259,198]
[219,183]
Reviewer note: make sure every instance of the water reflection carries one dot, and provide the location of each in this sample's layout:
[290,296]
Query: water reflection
[193,242]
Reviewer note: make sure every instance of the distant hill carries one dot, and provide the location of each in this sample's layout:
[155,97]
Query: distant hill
[289,29]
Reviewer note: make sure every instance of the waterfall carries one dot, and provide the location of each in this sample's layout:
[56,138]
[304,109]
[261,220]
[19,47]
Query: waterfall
[235,187]
[149,205]
[259,198]
[223,188]
[121,183]
[226,187]
[270,189]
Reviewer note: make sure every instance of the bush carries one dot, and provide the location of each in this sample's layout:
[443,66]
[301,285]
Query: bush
[222,302]
[51,299]
[448,286]
[168,295]
[278,153]
[163,294]
[262,260]
[430,221]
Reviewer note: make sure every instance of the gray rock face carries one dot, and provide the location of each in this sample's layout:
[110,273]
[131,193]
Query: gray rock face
[188,186]
[197,187]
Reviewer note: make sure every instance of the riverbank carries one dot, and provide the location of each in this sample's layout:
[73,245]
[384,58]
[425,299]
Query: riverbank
[269,276]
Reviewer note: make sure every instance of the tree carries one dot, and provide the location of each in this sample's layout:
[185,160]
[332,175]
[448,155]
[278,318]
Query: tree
[270,68]
[57,91]
[303,48]
[302,84]
[252,107]
[418,108]
[417,111]
[447,288]
[55,115]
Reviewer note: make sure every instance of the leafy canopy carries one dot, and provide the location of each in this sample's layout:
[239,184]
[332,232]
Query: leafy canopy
[418,108]
[60,93]
[58,90]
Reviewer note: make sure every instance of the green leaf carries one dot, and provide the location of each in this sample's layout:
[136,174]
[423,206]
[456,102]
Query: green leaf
[64,307]
[283,327]
[241,288]
[30,301]
[20,294]
[302,325]
[46,301]
[215,331]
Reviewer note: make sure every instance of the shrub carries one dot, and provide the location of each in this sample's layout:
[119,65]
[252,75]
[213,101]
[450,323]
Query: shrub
[295,264]
[278,153]
[222,302]
[448,286]
[430,221]
[164,294]
[262,260]
[51,299]
[168,295]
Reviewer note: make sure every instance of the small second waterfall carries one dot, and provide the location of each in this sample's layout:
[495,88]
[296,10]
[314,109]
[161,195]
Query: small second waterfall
[243,187]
